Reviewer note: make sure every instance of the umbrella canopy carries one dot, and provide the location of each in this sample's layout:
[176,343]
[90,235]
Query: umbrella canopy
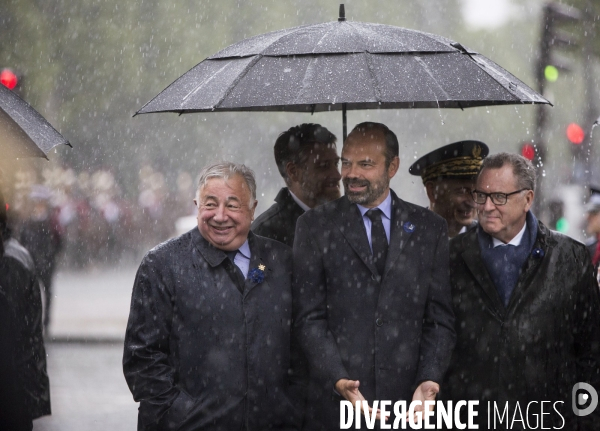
[23,130]
[342,65]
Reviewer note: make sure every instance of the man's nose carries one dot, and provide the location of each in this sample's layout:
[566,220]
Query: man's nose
[334,174]
[349,171]
[470,202]
[220,214]
[488,205]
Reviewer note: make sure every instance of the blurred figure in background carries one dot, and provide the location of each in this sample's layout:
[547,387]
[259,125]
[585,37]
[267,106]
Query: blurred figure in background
[13,409]
[593,227]
[448,174]
[40,235]
[20,288]
[308,162]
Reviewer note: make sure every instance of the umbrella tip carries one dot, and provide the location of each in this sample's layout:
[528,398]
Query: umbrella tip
[342,13]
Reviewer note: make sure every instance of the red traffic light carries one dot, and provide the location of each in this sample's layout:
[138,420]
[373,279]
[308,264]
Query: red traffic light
[575,133]
[9,79]
[528,151]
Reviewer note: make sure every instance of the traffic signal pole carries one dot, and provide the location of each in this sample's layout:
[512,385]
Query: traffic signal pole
[541,114]
[552,37]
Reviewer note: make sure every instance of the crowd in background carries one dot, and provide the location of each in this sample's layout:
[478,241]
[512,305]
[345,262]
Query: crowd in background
[89,220]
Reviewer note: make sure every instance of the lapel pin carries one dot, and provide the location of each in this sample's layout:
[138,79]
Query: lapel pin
[409,227]
[537,253]
[257,275]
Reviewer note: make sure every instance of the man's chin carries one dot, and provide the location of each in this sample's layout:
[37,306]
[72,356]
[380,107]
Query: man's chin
[328,197]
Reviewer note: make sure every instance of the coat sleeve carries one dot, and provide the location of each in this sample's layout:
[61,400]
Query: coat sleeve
[587,332]
[438,337]
[309,295]
[147,360]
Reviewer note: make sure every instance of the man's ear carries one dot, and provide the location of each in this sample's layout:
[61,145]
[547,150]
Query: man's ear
[393,168]
[529,199]
[292,172]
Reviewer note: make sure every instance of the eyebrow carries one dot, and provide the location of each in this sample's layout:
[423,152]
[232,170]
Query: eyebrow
[367,159]
[227,199]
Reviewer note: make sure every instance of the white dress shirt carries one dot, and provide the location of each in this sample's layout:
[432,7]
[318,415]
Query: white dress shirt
[516,241]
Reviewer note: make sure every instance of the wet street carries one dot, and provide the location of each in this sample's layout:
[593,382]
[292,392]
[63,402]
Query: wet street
[88,390]
[89,315]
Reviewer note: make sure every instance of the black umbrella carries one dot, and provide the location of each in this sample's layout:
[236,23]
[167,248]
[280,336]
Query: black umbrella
[23,130]
[342,65]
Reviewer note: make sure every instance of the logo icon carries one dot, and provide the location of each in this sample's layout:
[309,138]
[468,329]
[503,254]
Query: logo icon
[585,399]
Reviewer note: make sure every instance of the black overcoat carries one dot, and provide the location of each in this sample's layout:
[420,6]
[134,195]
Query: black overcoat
[199,354]
[389,335]
[537,348]
[18,280]
[279,221]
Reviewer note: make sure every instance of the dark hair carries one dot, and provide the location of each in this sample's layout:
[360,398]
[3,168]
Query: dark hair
[523,169]
[290,145]
[392,149]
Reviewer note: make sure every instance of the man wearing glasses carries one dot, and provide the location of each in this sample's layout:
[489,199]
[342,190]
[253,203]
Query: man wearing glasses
[448,174]
[527,308]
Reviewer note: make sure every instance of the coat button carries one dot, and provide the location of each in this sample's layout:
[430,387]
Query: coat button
[373,277]
[379,321]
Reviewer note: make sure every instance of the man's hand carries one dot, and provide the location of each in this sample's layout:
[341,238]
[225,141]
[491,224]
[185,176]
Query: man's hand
[349,390]
[426,391]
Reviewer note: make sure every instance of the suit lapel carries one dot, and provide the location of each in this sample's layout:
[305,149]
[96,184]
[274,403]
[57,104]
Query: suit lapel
[472,257]
[349,221]
[401,214]
[215,257]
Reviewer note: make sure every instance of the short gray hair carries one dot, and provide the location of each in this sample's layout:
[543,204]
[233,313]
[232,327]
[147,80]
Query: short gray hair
[226,170]
[523,169]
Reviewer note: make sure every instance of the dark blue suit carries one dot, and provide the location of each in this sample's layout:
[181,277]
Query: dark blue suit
[390,334]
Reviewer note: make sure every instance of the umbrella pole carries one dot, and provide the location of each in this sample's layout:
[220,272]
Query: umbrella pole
[344,122]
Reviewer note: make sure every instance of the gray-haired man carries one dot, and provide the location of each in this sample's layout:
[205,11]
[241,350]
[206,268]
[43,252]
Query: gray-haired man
[527,309]
[207,342]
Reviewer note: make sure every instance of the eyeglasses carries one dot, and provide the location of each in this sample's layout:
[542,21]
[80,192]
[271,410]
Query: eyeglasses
[497,198]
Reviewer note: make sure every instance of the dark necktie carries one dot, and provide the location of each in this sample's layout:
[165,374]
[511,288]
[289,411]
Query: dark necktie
[237,272]
[379,243]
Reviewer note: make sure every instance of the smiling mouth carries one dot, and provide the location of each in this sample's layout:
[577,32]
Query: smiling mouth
[221,229]
[355,186]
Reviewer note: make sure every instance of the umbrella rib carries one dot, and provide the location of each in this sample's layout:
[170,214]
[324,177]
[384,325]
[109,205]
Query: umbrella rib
[373,77]
[491,66]
[234,83]
[426,68]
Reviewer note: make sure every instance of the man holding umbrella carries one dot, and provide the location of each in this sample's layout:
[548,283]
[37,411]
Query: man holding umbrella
[372,304]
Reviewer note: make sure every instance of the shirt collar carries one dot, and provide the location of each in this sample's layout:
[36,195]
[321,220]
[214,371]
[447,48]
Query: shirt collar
[299,202]
[245,249]
[516,241]
[385,207]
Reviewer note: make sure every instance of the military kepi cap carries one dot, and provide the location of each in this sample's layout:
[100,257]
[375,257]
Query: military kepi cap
[460,160]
